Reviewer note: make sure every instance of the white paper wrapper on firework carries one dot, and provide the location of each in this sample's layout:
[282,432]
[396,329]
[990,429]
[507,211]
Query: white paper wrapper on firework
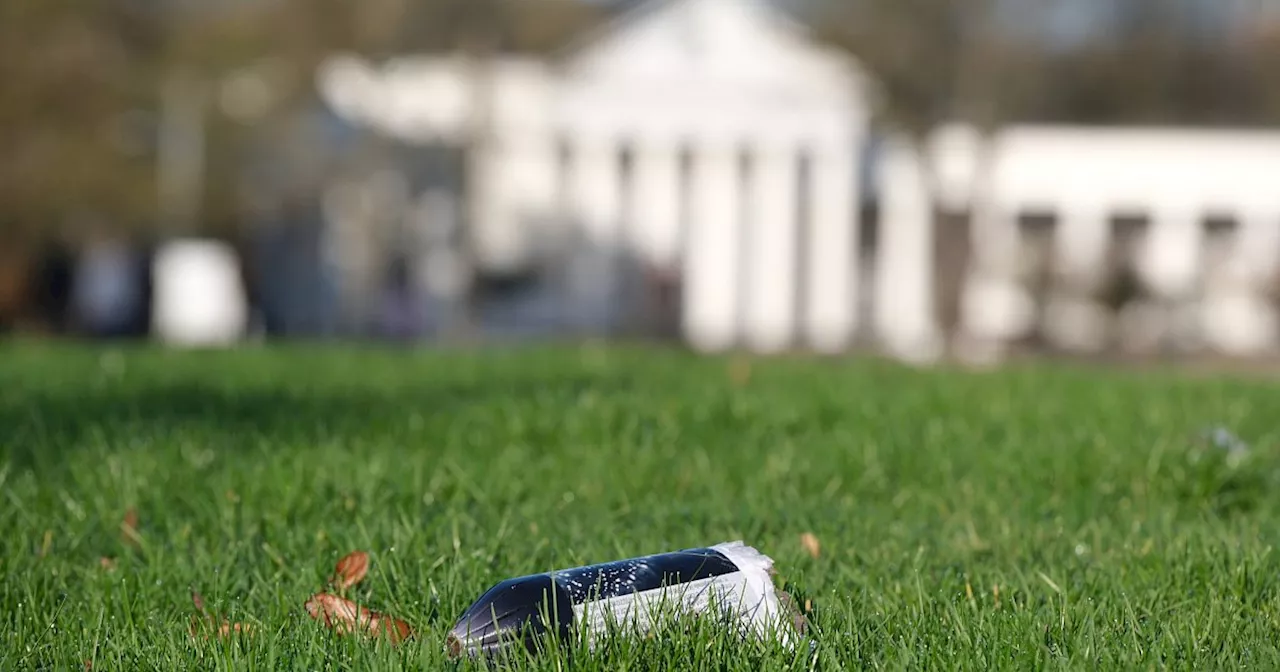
[732,581]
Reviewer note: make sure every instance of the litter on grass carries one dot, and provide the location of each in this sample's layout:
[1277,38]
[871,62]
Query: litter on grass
[731,580]
[1224,439]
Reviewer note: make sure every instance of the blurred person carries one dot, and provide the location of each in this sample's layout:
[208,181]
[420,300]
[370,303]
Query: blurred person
[107,294]
[401,314]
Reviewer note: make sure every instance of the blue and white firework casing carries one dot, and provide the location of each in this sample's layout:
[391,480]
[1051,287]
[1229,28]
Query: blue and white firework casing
[732,580]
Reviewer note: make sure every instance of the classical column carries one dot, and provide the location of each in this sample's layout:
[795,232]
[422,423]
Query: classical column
[1236,316]
[832,286]
[655,216]
[1258,244]
[711,284]
[1080,242]
[1170,257]
[995,307]
[595,190]
[517,188]
[771,243]
[1074,316]
[904,301]
[595,203]
[1171,268]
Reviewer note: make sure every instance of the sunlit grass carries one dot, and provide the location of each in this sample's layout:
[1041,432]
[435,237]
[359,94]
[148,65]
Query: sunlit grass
[1034,518]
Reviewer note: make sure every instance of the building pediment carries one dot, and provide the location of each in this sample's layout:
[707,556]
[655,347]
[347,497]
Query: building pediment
[692,47]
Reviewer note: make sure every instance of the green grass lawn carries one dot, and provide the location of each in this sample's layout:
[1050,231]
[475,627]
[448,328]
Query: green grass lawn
[1035,518]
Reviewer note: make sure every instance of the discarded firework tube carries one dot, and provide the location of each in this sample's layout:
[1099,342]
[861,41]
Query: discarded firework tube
[731,578]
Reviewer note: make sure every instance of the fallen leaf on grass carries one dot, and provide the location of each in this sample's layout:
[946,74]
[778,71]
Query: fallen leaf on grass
[129,528]
[350,570]
[107,563]
[343,616]
[811,544]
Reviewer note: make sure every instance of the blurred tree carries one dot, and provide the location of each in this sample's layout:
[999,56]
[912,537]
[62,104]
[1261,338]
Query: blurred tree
[1261,56]
[72,129]
[90,91]
[1160,63]
[935,62]
[138,116]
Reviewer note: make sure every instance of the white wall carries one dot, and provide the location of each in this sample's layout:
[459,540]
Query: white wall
[1085,176]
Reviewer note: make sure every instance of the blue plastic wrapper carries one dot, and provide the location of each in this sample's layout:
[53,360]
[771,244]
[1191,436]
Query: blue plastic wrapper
[730,580]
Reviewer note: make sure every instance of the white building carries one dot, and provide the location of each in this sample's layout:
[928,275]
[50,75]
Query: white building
[714,141]
[1206,257]
[711,138]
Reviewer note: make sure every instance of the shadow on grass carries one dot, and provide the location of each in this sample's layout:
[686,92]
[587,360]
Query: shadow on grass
[41,429]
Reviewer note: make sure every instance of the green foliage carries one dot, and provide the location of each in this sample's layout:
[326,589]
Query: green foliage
[80,90]
[1032,518]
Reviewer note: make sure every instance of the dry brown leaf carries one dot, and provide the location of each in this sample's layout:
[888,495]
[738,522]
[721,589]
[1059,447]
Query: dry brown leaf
[343,616]
[129,528]
[350,570]
[811,544]
[107,563]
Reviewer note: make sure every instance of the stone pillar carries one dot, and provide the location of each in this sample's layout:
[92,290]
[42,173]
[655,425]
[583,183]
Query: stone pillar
[830,321]
[595,203]
[1170,266]
[904,300]
[1169,261]
[995,307]
[655,229]
[1236,317]
[772,238]
[1259,243]
[595,192]
[1074,317]
[516,184]
[711,282]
